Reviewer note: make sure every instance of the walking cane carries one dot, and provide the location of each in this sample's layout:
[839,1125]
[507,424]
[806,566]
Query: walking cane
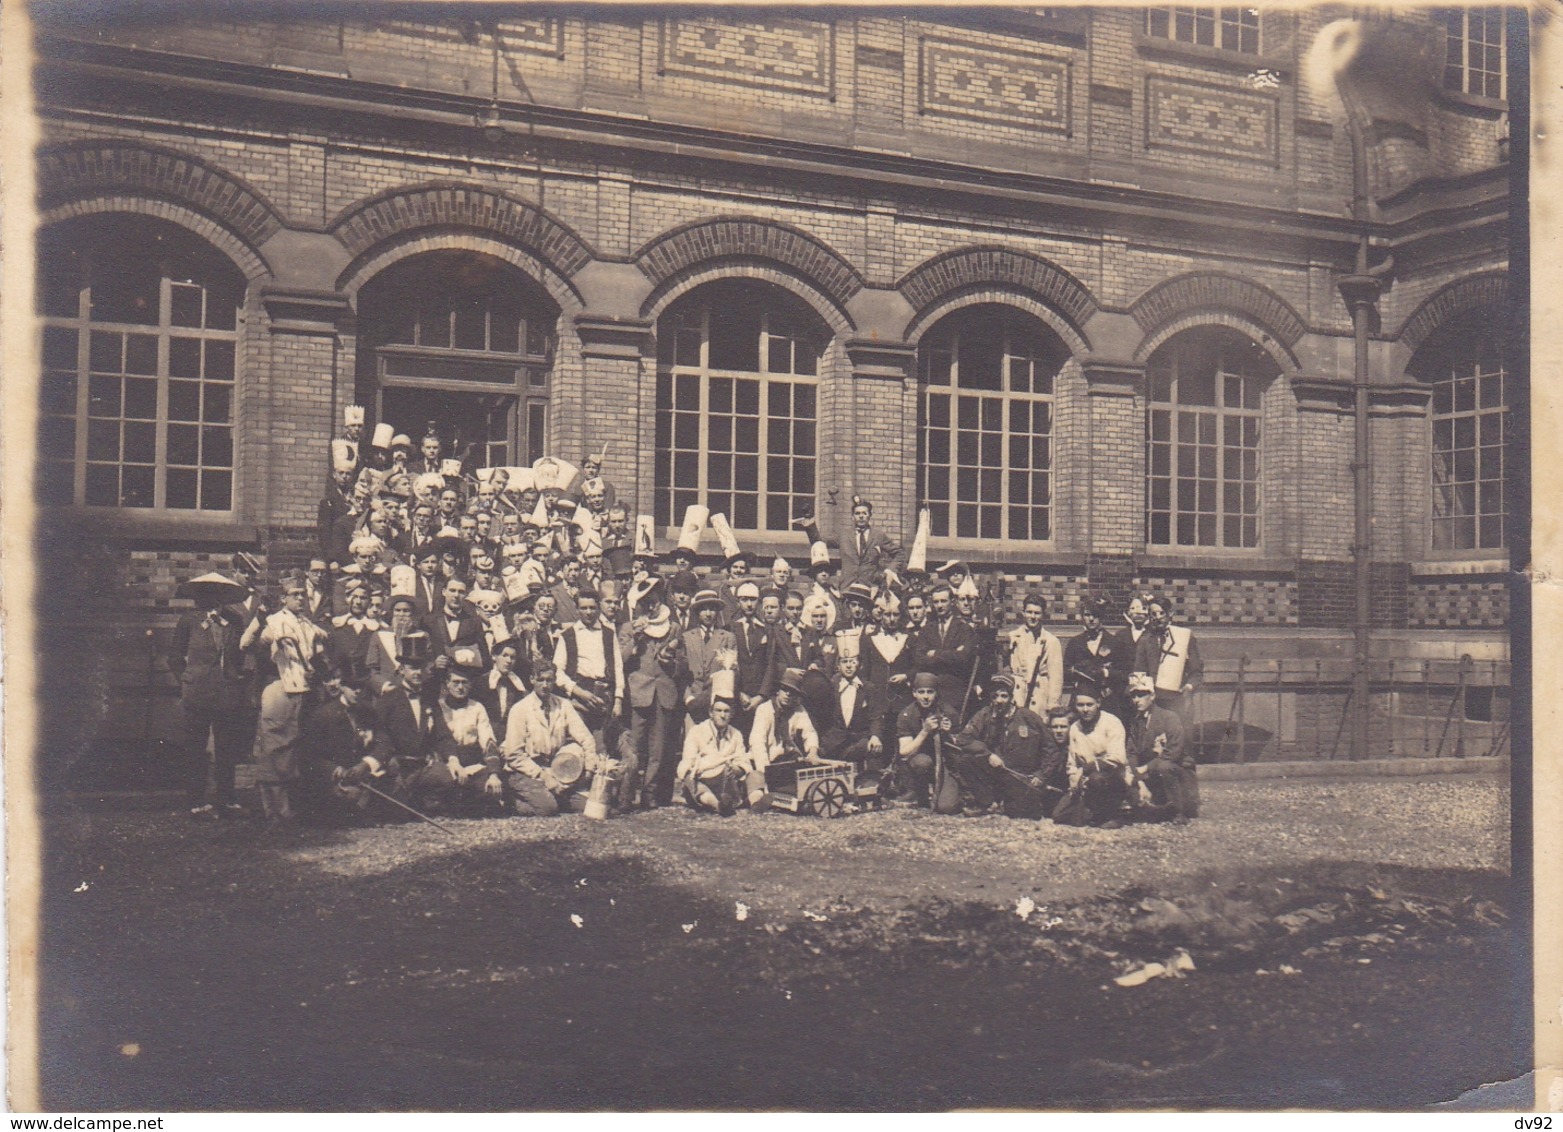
[409,809]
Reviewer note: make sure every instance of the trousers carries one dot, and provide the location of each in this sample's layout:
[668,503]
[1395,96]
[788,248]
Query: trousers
[227,732]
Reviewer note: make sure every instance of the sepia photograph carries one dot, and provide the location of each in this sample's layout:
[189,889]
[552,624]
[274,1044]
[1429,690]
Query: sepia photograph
[863,558]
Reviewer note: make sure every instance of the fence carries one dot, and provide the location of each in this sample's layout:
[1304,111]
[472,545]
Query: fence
[1284,709]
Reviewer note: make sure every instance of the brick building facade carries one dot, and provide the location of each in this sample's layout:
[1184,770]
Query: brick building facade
[1066,275]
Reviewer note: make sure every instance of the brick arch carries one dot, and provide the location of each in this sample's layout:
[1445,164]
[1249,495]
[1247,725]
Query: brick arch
[1212,291]
[1047,315]
[1488,291]
[966,269]
[1280,353]
[454,206]
[685,248]
[822,304]
[93,170]
[419,242]
[248,261]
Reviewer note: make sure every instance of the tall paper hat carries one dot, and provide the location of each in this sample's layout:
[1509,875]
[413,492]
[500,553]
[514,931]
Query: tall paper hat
[819,555]
[450,468]
[539,517]
[917,558]
[591,541]
[344,455]
[521,479]
[967,588]
[515,586]
[552,473]
[485,474]
[645,537]
[725,538]
[404,581]
[695,517]
[352,415]
[724,684]
[847,643]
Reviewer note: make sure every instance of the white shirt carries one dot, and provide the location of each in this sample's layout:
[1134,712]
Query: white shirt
[849,691]
[533,731]
[765,747]
[591,661]
[294,643]
[1104,743]
[706,750]
[468,724]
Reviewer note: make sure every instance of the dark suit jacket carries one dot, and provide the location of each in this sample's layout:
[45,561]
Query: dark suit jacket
[469,631]
[950,656]
[426,595]
[868,715]
[880,552]
[343,641]
[400,734]
[328,733]
[498,701]
[754,657]
[650,682]
[209,666]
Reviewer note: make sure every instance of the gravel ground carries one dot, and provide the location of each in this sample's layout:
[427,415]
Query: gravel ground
[1411,823]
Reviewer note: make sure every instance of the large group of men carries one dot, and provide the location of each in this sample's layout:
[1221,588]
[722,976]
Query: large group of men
[504,640]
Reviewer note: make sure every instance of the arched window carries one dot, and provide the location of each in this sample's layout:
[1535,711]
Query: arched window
[1204,432]
[737,391]
[140,336]
[1464,365]
[465,341]
[988,375]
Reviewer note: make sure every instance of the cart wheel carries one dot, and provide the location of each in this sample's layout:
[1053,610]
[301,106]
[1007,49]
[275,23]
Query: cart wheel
[827,798]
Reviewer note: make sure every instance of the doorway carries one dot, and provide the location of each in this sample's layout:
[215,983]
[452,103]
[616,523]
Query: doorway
[477,428]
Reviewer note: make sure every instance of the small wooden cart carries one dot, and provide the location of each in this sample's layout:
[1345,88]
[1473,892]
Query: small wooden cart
[827,789]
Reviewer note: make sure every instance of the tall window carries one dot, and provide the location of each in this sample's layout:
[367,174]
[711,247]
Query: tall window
[737,384]
[1477,53]
[463,341]
[988,378]
[1233,29]
[1202,488]
[1471,395]
[140,336]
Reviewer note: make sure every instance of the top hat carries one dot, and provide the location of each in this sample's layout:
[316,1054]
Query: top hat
[414,648]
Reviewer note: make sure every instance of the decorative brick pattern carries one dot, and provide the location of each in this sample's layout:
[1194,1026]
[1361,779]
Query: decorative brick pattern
[1227,600]
[945,274]
[1063,593]
[1216,291]
[1444,604]
[777,52]
[1488,291]
[1326,597]
[1198,118]
[86,169]
[964,80]
[542,36]
[677,251]
[445,205]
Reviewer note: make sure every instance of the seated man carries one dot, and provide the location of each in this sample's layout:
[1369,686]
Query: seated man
[1006,756]
[716,771]
[922,731]
[467,743]
[336,734]
[1099,775]
[1156,752]
[549,752]
[407,726]
[852,716]
[782,734]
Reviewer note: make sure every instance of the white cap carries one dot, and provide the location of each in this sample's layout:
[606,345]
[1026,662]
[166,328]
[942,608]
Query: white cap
[781,564]
[725,537]
[401,440]
[450,467]
[724,684]
[552,473]
[344,455]
[695,517]
[404,581]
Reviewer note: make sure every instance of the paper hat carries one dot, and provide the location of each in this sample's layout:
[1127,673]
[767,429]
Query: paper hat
[747,589]
[515,585]
[539,516]
[819,555]
[594,486]
[401,440]
[485,474]
[404,581]
[382,435]
[967,588]
[781,564]
[725,537]
[450,468]
[352,415]
[521,479]
[480,598]
[591,541]
[645,537]
[429,483]
[917,558]
[724,684]
[847,644]
[695,517]
[1141,682]
[550,472]
[602,457]
[344,455]
[816,602]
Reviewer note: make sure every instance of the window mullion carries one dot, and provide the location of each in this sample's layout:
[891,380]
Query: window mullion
[83,398]
[160,447]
